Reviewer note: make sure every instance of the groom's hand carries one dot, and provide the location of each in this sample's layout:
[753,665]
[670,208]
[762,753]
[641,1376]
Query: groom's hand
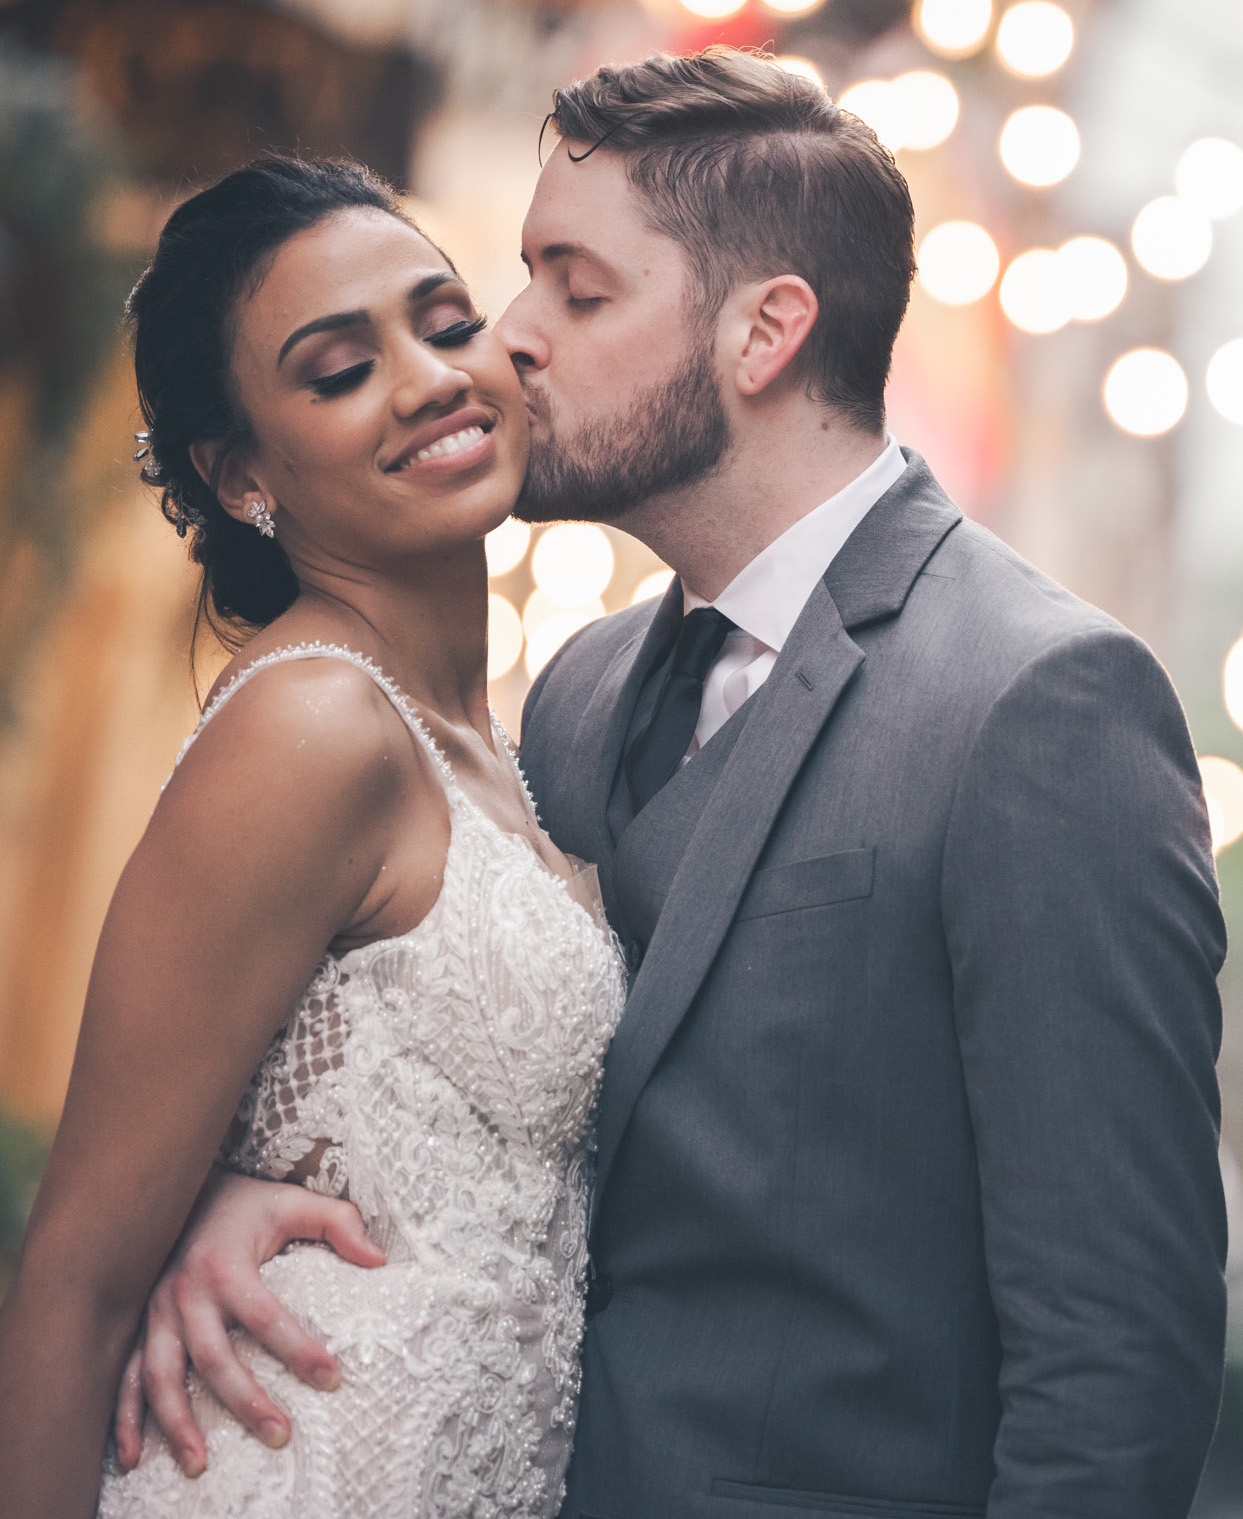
[211,1283]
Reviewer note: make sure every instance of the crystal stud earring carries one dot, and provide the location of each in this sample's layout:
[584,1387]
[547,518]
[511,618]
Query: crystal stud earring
[258,513]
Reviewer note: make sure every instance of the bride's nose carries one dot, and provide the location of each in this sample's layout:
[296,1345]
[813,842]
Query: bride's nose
[426,377]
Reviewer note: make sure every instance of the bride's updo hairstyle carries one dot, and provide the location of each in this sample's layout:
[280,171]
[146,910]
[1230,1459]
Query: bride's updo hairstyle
[215,249]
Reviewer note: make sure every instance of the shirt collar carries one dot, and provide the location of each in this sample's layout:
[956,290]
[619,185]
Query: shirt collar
[767,595]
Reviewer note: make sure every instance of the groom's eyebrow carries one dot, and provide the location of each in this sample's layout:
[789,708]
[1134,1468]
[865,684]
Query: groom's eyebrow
[360,318]
[557,252]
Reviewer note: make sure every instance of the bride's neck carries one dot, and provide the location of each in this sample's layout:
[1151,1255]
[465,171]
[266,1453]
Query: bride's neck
[426,625]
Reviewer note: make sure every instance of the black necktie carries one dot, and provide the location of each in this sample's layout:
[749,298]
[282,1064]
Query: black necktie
[656,753]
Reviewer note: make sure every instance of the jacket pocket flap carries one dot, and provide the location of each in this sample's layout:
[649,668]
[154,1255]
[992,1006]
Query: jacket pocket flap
[809,883]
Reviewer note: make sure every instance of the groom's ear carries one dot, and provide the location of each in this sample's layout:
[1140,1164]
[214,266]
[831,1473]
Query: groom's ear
[768,325]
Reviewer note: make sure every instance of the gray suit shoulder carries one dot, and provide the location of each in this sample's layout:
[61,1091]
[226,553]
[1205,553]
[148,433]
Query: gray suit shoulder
[1004,613]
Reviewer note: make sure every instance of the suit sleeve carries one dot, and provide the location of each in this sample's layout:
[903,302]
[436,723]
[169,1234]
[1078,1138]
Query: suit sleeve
[1082,922]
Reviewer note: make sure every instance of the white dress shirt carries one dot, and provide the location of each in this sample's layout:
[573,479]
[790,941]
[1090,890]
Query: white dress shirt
[766,597]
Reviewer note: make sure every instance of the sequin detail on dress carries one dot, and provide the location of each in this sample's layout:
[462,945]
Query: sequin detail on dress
[445,1080]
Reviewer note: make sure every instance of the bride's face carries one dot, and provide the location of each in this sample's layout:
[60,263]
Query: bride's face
[386,420]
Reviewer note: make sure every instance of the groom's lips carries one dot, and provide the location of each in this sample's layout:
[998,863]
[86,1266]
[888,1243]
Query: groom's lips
[538,408]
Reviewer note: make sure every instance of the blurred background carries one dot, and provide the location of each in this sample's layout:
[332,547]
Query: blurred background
[1072,369]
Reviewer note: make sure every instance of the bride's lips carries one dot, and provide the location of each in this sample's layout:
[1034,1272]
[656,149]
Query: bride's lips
[462,440]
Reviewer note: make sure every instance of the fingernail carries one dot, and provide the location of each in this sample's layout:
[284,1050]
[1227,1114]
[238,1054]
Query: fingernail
[273,1434]
[193,1463]
[327,1379]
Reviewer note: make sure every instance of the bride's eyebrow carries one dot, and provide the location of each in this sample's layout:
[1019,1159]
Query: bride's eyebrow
[361,318]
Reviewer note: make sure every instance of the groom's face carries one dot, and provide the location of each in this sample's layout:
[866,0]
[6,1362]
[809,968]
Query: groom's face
[619,375]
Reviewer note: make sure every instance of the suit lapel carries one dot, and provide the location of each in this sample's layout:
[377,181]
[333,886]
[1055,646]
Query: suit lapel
[601,731]
[787,713]
[868,580]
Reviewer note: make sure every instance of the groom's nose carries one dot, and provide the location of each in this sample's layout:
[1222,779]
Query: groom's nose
[521,334]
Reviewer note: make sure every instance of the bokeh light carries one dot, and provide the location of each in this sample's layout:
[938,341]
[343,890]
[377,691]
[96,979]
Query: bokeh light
[1035,38]
[1171,239]
[504,636]
[1223,792]
[1093,277]
[1224,380]
[918,109]
[713,10]
[1031,292]
[1146,392]
[803,67]
[958,263]
[926,105]
[874,101]
[505,545]
[1232,684]
[1210,177]
[1039,145]
[954,27]
[793,7]
[548,624]
[655,584]
[572,563]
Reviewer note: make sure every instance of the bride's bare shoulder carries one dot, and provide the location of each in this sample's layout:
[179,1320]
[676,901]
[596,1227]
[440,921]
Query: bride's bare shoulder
[318,731]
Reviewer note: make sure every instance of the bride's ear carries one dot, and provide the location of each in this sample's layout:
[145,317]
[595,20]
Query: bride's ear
[236,487]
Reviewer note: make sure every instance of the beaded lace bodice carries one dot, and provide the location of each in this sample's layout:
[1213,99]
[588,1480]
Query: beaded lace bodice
[444,1080]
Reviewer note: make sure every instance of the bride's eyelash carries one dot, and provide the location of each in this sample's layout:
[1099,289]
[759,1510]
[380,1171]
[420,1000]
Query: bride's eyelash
[458,334]
[345,379]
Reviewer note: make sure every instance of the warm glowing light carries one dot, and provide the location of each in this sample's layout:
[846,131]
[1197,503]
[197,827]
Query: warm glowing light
[1039,145]
[1093,277]
[958,263]
[874,101]
[793,7]
[1146,392]
[504,637]
[713,10]
[1210,177]
[655,584]
[1223,792]
[954,27]
[1035,38]
[1225,381]
[918,109]
[1171,238]
[1031,292]
[505,545]
[803,67]
[572,562]
[1232,684]
[926,104]
[548,624]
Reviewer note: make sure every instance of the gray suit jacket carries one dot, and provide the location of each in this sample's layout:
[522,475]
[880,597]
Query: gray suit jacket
[907,1192]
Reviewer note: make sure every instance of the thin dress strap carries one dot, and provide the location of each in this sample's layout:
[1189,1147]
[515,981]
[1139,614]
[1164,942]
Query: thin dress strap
[391,689]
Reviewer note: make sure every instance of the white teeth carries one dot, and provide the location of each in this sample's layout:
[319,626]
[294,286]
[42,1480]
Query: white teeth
[451,444]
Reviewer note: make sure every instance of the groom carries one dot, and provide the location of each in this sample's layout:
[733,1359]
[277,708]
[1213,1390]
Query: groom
[907,1197]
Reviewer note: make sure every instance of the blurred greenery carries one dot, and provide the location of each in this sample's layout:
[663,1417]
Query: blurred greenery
[23,1150]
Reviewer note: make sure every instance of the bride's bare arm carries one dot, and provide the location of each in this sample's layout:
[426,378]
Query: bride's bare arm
[269,842]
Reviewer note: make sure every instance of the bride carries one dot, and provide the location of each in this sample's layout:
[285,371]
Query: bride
[343,953]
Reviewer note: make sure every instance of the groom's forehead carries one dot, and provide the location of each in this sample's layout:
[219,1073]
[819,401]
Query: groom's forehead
[586,207]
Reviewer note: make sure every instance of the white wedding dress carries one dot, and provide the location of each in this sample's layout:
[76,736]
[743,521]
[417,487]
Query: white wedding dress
[444,1081]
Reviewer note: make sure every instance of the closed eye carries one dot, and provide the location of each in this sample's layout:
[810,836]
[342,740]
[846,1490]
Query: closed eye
[329,385]
[458,334]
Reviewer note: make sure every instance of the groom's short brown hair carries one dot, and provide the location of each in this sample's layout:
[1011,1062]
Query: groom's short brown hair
[756,172]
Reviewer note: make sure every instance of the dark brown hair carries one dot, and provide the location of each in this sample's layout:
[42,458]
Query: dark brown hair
[756,173]
[213,249]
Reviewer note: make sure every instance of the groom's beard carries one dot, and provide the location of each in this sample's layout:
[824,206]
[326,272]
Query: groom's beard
[672,435]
